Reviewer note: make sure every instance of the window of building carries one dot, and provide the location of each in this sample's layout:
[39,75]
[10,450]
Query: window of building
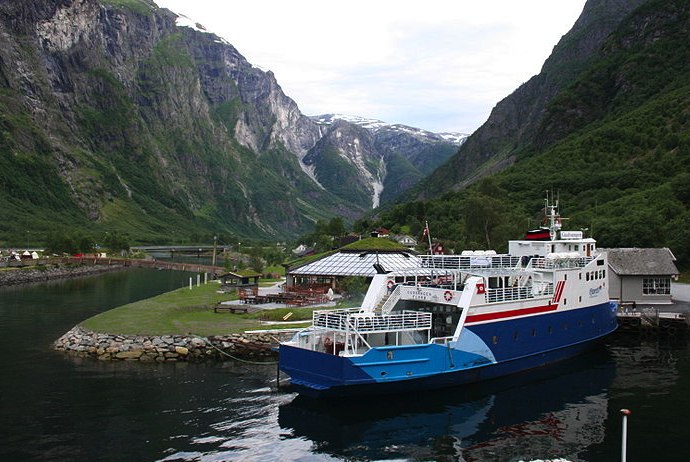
[656,286]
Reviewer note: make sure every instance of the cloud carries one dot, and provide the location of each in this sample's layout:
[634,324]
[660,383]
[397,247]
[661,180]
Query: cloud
[436,65]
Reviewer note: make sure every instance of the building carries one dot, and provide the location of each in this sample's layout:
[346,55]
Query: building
[240,280]
[362,258]
[642,276]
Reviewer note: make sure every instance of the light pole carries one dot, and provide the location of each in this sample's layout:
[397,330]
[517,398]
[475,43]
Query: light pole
[213,261]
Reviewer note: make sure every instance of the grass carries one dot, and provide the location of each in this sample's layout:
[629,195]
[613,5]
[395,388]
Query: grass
[184,311]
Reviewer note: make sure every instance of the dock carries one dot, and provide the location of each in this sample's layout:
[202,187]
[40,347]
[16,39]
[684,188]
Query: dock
[654,320]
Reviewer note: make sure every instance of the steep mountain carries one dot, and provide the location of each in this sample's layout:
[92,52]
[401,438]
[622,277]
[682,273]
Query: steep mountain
[390,157]
[613,142]
[514,121]
[119,115]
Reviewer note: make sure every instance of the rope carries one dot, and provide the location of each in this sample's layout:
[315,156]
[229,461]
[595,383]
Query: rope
[267,363]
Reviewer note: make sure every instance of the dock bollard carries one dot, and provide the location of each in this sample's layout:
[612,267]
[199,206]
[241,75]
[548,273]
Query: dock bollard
[624,438]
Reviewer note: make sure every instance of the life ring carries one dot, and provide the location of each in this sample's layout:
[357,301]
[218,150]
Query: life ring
[480,288]
[391,284]
[448,295]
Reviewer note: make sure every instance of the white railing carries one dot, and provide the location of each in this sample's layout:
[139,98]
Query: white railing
[392,299]
[559,263]
[356,321]
[468,262]
[508,294]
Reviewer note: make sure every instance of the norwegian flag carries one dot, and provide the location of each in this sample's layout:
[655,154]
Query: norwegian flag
[426,230]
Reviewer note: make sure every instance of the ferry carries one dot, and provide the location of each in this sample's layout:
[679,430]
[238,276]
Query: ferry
[460,319]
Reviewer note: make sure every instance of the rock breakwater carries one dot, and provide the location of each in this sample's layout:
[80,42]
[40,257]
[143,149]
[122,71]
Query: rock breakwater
[51,272]
[169,348]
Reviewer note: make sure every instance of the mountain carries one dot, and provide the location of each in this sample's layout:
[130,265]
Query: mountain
[390,158]
[605,126]
[117,115]
[514,121]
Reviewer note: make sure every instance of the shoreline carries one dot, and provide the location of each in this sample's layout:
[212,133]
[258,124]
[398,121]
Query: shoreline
[170,348]
[52,272]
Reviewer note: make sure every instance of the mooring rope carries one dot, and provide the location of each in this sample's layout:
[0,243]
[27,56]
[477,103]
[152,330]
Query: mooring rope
[268,363]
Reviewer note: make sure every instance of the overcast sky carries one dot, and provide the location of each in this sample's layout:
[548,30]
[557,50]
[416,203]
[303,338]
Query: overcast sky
[434,64]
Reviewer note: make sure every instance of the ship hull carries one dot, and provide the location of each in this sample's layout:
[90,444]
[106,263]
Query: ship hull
[517,345]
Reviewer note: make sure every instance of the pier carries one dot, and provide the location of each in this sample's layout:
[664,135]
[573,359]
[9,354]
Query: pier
[654,320]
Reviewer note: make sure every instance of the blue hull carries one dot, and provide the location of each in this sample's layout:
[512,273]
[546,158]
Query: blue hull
[516,345]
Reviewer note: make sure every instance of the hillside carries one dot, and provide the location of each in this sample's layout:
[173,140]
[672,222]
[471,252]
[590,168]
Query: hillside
[119,116]
[614,144]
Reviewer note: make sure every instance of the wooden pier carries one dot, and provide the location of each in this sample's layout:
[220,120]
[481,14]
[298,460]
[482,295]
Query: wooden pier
[653,320]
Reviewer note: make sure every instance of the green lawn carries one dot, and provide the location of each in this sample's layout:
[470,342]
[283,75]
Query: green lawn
[185,311]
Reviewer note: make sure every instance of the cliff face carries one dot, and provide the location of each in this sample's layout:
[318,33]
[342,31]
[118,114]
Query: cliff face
[113,114]
[514,122]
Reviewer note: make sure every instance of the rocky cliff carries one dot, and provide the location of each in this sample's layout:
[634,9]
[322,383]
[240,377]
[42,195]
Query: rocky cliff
[117,115]
[514,122]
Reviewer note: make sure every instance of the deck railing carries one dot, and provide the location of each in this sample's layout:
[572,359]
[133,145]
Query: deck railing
[468,262]
[559,263]
[353,320]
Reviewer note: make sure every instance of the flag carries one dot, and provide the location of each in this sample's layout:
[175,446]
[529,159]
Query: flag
[426,230]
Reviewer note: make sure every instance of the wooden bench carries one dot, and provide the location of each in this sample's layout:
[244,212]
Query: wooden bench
[231,308]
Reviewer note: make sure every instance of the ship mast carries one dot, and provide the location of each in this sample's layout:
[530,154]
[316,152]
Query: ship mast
[552,216]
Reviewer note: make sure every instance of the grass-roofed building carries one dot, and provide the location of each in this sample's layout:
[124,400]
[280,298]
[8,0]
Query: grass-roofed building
[361,258]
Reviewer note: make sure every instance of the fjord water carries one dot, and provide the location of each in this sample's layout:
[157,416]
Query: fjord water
[59,408]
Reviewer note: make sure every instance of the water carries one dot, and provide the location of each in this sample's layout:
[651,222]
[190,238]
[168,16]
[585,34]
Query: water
[58,408]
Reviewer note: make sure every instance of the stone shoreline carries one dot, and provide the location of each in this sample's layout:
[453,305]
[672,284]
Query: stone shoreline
[51,272]
[170,348]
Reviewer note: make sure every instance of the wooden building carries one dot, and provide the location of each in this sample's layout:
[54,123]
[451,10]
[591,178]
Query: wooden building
[639,275]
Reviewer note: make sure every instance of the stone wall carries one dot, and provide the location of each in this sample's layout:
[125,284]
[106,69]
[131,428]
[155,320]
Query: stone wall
[51,272]
[170,348]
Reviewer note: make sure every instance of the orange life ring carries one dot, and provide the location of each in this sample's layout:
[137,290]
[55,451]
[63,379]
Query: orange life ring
[448,295]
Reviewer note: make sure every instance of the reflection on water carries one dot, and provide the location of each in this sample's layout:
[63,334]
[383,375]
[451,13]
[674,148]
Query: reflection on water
[554,412]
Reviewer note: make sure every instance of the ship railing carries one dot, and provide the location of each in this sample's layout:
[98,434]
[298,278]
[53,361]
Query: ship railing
[441,340]
[391,300]
[559,263]
[505,294]
[469,262]
[356,321]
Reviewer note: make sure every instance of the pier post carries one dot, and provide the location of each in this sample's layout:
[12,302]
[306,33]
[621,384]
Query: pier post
[190,283]
[198,280]
[624,438]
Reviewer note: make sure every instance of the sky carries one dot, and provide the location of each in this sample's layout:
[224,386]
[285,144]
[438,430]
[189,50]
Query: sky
[439,65]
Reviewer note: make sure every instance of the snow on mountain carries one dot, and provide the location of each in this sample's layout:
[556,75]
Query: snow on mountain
[375,125]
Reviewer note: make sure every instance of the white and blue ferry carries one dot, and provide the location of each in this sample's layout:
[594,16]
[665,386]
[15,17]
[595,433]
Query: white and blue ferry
[459,319]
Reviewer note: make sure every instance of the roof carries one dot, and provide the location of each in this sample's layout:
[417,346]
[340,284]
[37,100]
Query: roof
[639,262]
[357,264]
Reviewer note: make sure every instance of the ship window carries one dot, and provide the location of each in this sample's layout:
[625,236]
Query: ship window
[587,276]
[604,271]
[580,275]
[580,298]
[600,262]
[577,248]
[565,277]
[565,301]
[495,339]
